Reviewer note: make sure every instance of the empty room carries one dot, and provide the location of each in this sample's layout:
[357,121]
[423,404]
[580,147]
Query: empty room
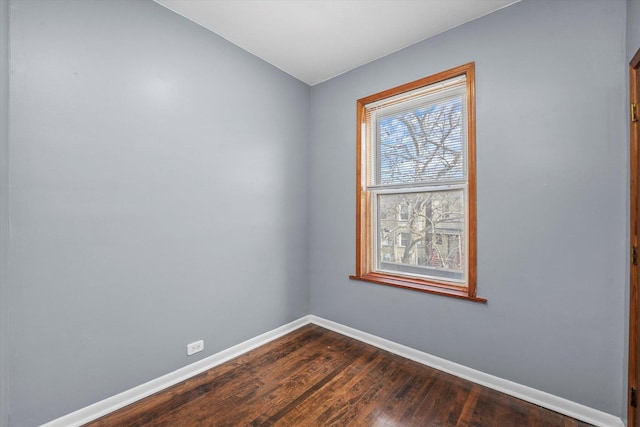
[319,212]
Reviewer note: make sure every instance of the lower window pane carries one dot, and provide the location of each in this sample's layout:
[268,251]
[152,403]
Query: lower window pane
[422,234]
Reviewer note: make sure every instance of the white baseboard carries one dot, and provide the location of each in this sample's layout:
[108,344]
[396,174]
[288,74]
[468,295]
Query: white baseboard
[541,398]
[110,404]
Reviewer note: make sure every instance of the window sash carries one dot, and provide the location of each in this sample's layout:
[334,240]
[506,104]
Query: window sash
[412,101]
[376,238]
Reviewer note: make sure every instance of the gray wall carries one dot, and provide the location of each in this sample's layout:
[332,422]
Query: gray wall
[159,196]
[552,211]
[4,219]
[633,28]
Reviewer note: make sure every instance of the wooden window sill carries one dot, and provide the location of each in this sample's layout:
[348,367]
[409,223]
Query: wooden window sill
[418,285]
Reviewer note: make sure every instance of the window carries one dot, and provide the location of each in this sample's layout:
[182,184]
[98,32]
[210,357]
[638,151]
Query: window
[404,212]
[416,157]
[404,240]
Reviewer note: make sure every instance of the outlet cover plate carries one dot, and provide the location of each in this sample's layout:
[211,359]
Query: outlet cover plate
[195,347]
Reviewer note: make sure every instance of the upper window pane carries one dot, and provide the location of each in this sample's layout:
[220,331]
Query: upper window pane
[421,140]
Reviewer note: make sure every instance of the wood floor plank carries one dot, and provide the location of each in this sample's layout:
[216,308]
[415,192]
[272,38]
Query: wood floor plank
[316,377]
[384,406]
[316,406]
[469,407]
[275,384]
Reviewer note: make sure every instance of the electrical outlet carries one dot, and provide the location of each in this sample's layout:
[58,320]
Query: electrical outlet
[195,347]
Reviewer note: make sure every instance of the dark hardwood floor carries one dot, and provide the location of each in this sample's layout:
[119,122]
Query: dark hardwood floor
[316,377]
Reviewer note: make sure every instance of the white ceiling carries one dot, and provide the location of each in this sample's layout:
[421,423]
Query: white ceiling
[315,40]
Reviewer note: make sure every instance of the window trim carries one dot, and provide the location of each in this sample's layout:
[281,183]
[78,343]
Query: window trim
[364,263]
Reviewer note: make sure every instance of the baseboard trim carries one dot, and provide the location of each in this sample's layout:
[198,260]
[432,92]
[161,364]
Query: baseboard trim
[110,404]
[540,398]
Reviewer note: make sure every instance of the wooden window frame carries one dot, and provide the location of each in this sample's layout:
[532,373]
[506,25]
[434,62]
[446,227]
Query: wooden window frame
[364,262]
